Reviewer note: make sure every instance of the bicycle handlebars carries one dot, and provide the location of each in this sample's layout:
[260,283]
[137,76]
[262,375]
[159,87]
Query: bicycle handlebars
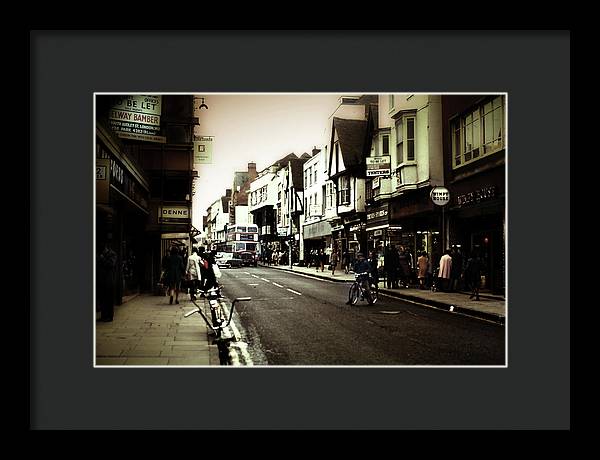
[221,326]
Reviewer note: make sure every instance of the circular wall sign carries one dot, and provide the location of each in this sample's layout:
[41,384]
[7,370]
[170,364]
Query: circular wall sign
[440,196]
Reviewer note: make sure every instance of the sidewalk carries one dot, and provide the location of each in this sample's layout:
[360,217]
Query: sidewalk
[147,331]
[489,307]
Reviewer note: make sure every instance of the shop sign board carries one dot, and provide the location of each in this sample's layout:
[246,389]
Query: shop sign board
[137,117]
[203,150]
[173,213]
[440,196]
[102,180]
[378,166]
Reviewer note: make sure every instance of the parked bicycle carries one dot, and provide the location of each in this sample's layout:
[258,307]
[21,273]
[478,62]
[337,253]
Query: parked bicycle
[363,288]
[217,315]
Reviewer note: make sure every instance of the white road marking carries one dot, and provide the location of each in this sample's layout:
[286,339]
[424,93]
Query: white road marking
[291,290]
[278,285]
[255,276]
[252,284]
[246,273]
[264,279]
[238,336]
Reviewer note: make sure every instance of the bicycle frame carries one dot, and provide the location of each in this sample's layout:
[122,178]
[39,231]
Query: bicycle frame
[218,323]
[357,289]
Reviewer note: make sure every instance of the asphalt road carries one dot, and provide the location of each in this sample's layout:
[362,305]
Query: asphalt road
[297,320]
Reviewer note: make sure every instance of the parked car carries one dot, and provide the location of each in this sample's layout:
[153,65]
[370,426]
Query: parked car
[228,260]
[249,259]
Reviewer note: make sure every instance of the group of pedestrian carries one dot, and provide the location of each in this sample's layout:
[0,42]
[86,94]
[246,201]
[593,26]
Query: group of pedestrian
[452,273]
[398,267]
[198,271]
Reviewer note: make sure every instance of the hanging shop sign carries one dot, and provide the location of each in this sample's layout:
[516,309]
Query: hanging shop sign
[440,196]
[203,150]
[378,166]
[173,213]
[378,233]
[137,117]
[337,228]
[375,183]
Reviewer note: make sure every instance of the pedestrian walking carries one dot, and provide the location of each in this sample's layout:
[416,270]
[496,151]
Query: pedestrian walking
[193,273]
[423,265]
[404,267]
[456,271]
[174,271]
[390,265]
[334,260]
[107,263]
[473,274]
[322,259]
[445,270]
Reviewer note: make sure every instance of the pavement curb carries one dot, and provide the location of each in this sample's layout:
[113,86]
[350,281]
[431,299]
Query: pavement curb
[498,319]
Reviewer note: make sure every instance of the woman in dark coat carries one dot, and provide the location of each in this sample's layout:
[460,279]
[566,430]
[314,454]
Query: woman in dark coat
[473,274]
[174,271]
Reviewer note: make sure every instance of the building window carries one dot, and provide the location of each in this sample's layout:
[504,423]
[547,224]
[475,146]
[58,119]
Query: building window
[478,132]
[410,139]
[399,141]
[315,174]
[305,178]
[391,101]
[386,145]
[405,139]
[344,190]
[310,175]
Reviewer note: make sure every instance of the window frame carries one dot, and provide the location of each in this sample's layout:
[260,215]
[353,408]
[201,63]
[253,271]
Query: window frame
[459,124]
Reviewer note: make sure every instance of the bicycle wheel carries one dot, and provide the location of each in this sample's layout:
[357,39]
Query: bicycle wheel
[353,294]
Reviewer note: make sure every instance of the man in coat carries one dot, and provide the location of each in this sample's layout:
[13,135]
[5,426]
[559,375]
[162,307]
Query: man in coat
[445,270]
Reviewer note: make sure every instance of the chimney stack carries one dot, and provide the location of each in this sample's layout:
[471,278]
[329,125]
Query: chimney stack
[315,150]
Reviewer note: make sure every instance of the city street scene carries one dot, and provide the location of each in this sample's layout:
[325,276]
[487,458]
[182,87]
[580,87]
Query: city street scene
[300,229]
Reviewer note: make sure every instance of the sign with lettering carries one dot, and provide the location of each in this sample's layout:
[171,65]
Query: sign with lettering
[137,117]
[102,180]
[170,213]
[376,214]
[476,196]
[440,196]
[378,166]
[203,154]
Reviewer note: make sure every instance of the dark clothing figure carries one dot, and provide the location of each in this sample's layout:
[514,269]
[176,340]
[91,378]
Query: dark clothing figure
[362,266]
[107,262]
[456,271]
[473,275]
[174,272]
[404,270]
[391,263]
[211,279]
[373,269]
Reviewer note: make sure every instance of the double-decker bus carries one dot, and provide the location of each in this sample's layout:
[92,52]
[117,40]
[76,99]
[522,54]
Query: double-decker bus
[243,241]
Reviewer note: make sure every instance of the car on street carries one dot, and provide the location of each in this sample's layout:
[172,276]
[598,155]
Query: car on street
[249,259]
[228,260]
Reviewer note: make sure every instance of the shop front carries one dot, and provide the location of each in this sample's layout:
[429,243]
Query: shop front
[415,224]
[121,213]
[476,221]
[317,236]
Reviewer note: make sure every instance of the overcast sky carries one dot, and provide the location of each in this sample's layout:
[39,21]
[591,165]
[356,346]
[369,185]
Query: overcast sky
[260,128]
